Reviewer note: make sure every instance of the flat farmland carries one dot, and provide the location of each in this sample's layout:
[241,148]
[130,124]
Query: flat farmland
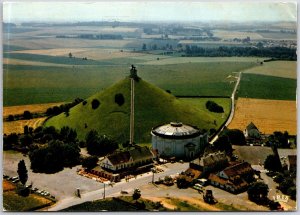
[267,115]
[90,53]
[52,42]
[283,69]
[41,84]
[35,108]
[267,87]
[18,126]
[177,60]
[236,34]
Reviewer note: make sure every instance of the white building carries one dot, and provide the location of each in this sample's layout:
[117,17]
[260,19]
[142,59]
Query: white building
[178,140]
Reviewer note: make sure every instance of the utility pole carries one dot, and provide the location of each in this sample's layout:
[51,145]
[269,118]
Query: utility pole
[104,191]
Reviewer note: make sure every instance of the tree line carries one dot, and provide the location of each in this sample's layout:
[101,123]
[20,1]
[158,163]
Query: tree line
[225,51]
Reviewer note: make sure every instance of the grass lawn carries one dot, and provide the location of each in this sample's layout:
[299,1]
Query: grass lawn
[185,206]
[200,104]
[14,202]
[267,87]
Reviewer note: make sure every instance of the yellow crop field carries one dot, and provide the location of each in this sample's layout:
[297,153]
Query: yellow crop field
[53,52]
[18,126]
[31,63]
[284,69]
[34,108]
[267,115]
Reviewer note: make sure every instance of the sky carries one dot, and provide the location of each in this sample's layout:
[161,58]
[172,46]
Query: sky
[148,11]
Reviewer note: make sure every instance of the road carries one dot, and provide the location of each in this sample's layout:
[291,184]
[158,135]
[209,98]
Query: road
[169,169]
[232,107]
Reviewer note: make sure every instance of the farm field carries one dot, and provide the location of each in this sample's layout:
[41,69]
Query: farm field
[18,126]
[90,53]
[283,69]
[178,60]
[267,87]
[200,104]
[36,108]
[267,115]
[25,84]
[225,34]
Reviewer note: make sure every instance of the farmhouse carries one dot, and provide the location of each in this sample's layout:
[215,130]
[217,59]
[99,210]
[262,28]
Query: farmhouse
[251,131]
[233,178]
[134,158]
[178,140]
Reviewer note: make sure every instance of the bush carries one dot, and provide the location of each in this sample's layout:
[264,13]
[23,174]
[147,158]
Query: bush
[95,104]
[214,107]
[236,136]
[84,102]
[119,99]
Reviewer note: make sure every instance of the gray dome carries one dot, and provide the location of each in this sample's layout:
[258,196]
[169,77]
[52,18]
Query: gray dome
[176,130]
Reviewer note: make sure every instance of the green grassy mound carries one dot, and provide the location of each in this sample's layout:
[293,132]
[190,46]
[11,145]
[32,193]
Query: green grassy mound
[153,106]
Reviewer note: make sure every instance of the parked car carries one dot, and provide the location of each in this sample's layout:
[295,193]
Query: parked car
[16,180]
[124,192]
[198,187]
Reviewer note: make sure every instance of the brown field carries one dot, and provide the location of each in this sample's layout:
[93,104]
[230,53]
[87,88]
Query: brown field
[267,115]
[7,186]
[18,126]
[35,108]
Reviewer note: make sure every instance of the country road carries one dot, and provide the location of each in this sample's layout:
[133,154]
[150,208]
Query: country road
[232,108]
[169,169]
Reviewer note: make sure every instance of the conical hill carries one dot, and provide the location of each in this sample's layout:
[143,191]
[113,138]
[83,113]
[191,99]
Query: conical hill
[153,106]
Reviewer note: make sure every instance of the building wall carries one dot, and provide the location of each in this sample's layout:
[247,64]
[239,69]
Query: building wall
[176,147]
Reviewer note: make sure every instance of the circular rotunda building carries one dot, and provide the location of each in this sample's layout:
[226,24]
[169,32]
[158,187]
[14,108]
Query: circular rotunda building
[178,140]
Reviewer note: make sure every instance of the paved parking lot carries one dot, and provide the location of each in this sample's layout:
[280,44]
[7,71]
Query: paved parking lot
[62,184]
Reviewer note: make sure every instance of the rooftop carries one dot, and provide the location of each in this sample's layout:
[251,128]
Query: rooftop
[176,130]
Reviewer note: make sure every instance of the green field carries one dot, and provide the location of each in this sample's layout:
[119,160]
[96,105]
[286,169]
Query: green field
[153,107]
[199,103]
[267,87]
[25,84]
[284,69]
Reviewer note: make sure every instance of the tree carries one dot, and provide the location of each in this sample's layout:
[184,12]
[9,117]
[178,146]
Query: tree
[286,184]
[22,172]
[70,55]
[26,129]
[136,194]
[236,136]
[272,163]
[119,99]
[214,107]
[258,192]
[27,114]
[11,117]
[90,162]
[223,144]
[95,104]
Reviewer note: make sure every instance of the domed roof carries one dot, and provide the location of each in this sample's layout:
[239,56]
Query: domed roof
[176,130]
